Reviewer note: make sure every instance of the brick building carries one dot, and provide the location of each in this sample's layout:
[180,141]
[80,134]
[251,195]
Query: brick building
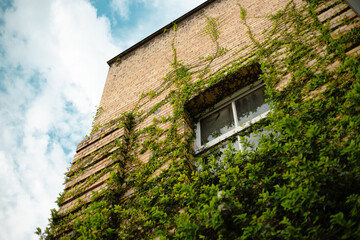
[213,49]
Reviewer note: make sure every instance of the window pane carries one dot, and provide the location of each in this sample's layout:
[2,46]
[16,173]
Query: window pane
[251,105]
[216,124]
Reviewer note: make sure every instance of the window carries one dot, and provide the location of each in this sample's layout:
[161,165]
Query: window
[230,116]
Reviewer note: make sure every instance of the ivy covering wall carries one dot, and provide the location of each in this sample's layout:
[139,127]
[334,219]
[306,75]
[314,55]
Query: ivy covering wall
[303,180]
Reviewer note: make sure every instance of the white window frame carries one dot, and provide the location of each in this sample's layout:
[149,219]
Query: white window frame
[238,127]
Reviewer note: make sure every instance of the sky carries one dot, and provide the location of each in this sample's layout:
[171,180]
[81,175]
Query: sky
[53,68]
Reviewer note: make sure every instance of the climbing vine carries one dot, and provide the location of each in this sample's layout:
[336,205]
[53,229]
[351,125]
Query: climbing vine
[303,180]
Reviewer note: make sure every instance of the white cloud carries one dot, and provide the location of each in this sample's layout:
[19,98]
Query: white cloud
[162,13]
[169,9]
[53,66]
[121,7]
[161,10]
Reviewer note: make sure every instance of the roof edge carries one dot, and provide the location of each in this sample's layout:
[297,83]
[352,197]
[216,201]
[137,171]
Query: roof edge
[160,31]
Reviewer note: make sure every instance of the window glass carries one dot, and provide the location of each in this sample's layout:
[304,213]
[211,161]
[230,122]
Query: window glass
[216,124]
[229,120]
[251,105]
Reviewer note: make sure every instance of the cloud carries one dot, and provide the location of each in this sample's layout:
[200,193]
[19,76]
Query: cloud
[151,15]
[53,62]
[173,9]
[121,7]
[164,8]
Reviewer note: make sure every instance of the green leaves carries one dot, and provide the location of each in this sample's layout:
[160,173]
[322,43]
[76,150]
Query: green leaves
[212,28]
[242,12]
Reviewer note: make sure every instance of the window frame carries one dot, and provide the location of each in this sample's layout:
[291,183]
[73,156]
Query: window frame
[198,147]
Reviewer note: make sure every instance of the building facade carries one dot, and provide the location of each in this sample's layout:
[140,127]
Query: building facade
[194,118]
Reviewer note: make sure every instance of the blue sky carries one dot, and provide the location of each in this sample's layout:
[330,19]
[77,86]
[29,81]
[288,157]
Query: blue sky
[53,56]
